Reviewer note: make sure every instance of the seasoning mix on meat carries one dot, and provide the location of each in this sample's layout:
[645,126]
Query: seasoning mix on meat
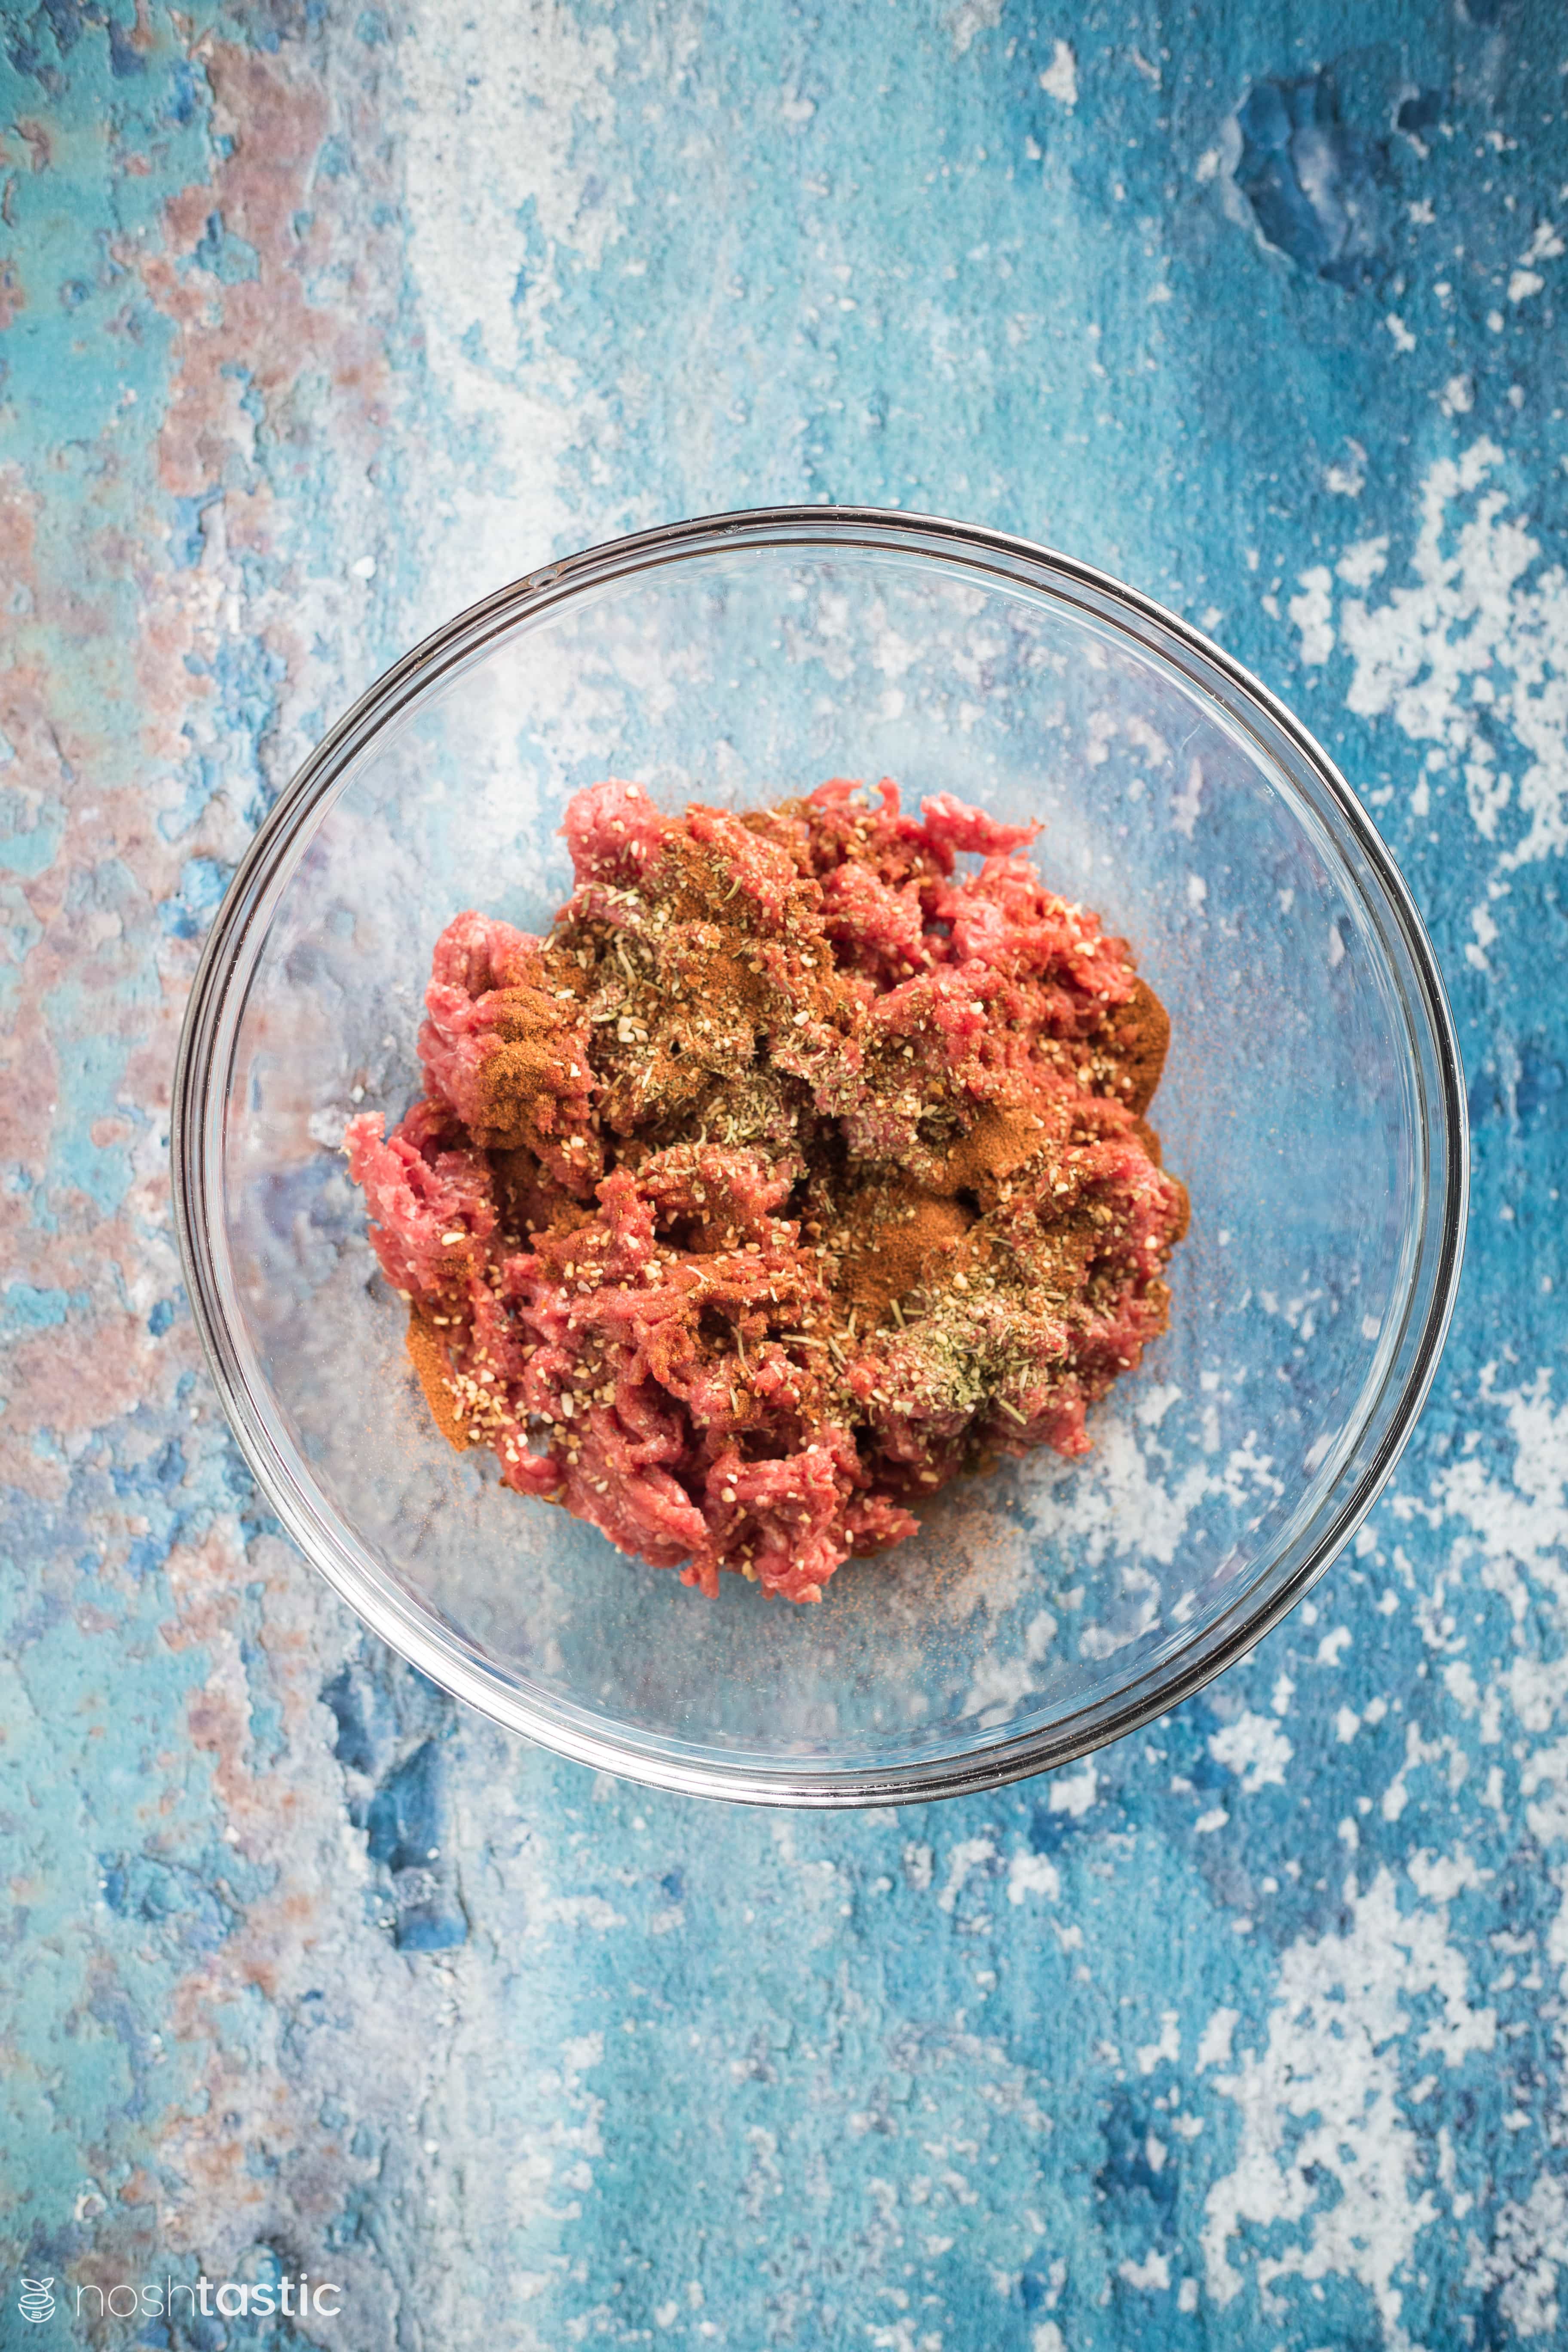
[792,1174]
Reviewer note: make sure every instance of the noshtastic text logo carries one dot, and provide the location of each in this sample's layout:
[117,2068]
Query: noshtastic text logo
[290,2297]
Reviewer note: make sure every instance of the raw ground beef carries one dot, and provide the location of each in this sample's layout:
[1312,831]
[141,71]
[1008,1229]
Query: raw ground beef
[791,1175]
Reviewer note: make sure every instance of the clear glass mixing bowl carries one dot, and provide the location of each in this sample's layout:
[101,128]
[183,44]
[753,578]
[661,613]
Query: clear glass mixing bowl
[1312,1102]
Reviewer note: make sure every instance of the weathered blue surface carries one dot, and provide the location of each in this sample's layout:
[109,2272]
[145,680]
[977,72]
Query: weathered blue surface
[322,320]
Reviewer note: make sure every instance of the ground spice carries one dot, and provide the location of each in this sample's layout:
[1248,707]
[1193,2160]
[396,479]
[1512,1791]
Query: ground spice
[1139,1035]
[427,1354]
[790,1176]
[899,1242]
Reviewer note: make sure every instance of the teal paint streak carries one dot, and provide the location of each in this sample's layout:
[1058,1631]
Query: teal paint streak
[33,842]
[27,1309]
[73,201]
[91,1073]
[89,1997]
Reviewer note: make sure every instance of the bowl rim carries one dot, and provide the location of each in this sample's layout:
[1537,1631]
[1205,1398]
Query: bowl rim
[212,1018]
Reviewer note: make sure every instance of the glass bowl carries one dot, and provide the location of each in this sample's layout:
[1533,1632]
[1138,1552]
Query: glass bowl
[1312,1102]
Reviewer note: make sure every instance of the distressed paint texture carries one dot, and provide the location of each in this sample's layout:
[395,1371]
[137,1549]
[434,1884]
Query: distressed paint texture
[320,320]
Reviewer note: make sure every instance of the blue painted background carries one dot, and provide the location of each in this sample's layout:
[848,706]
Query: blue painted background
[318,323]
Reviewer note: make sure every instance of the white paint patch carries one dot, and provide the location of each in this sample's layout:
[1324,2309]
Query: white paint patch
[1346,478]
[1536,1690]
[498,97]
[1032,1873]
[972,16]
[1256,1750]
[1363,563]
[1557,1934]
[1074,1792]
[1187,803]
[1155,1402]
[1481,921]
[1525,280]
[968,1855]
[1313,614]
[1214,2043]
[1545,1784]
[1324,2151]
[1152,2274]
[1417,1752]
[1168,2047]
[1438,1877]
[1529,2248]
[1470,653]
[1520,1527]
[1059,79]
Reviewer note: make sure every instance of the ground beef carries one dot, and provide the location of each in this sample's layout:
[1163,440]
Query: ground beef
[791,1175]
